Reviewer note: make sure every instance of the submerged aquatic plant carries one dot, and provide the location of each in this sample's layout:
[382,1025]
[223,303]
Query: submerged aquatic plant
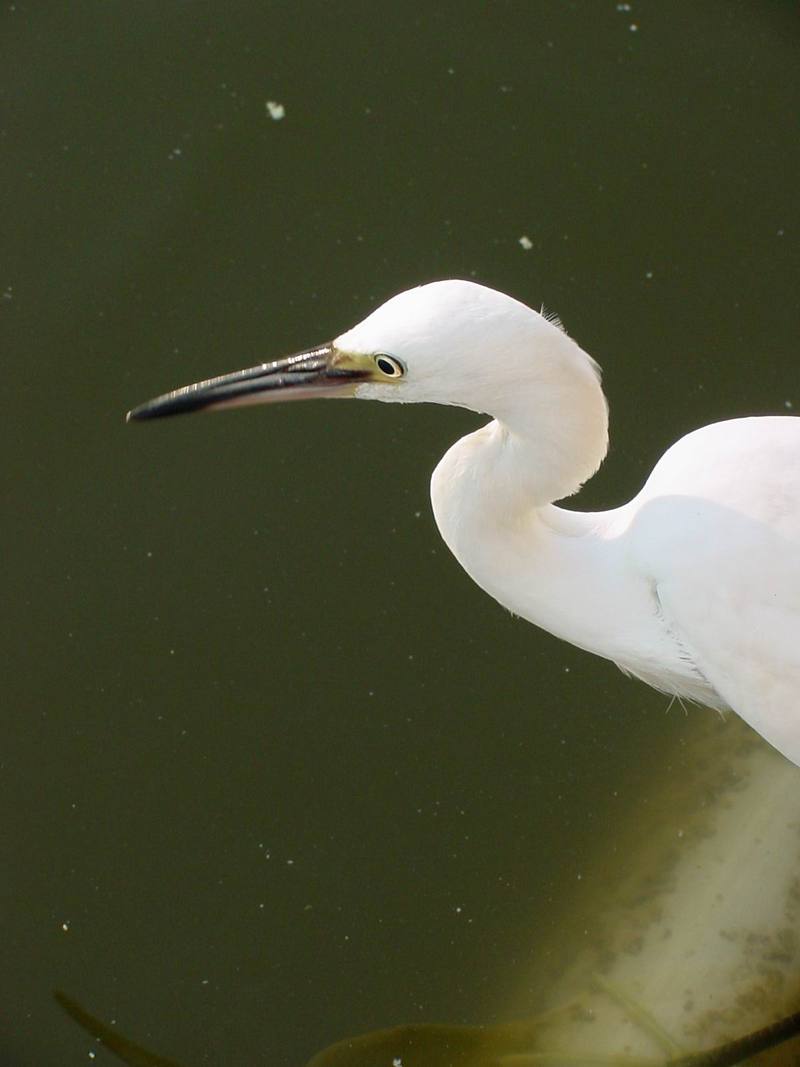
[443,1045]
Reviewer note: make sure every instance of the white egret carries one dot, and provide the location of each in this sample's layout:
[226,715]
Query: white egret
[693,586]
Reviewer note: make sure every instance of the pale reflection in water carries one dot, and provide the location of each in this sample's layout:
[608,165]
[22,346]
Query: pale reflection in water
[692,906]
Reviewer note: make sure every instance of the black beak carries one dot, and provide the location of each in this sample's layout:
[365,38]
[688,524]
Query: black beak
[316,372]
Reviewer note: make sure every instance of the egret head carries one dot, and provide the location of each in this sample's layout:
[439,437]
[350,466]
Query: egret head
[447,342]
[452,342]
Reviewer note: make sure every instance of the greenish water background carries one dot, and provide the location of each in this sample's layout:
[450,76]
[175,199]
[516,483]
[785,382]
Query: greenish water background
[273,770]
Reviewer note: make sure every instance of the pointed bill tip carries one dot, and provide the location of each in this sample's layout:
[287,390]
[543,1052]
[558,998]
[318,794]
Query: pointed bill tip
[314,372]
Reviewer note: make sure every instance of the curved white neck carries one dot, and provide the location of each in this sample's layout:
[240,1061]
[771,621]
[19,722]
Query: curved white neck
[566,571]
[551,429]
[540,562]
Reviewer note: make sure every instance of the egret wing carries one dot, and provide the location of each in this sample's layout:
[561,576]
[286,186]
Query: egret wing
[748,652]
[718,532]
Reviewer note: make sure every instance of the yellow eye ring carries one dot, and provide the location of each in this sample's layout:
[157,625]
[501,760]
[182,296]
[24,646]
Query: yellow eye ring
[389,366]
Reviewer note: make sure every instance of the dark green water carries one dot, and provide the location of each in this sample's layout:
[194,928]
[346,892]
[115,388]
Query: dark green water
[273,771]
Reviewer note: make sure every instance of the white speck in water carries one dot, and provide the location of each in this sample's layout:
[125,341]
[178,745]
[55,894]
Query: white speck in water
[623,7]
[788,405]
[526,242]
[397,1061]
[65,927]
[275,110]
[633,27]
[648,274]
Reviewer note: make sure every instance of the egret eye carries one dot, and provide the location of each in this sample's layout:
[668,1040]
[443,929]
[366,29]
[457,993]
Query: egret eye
[389,366]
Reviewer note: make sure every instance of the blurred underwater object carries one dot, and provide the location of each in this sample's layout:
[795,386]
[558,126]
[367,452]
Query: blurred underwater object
[439,1045]
[120,1046]
[692,909]
[442,1045]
